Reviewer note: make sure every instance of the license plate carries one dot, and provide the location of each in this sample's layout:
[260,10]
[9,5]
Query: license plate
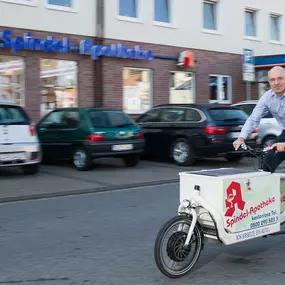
[234,135]
[121,147]
[12,156]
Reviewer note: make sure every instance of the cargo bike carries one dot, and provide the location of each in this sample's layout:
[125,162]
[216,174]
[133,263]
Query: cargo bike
[226,206]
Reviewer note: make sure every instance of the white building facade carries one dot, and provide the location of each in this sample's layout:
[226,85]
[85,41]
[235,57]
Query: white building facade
[134,54]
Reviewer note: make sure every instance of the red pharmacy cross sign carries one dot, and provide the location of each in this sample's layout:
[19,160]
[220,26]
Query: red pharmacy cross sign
[234,198]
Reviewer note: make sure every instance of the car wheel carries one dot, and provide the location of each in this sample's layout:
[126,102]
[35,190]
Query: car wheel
[31,169]
[81,159]
[234,158]
[182,153]
[131,160]
[268,141]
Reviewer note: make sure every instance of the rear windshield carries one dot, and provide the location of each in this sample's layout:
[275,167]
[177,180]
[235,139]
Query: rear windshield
[13,115]
[227,114]
[109,119]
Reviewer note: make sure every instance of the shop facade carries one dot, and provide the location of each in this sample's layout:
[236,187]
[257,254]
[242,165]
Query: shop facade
[42,71]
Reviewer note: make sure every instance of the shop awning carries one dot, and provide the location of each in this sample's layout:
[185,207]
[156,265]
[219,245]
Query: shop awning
[269,61]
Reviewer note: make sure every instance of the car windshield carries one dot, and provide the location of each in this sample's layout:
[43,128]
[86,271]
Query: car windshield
[13,115]
[227,114]
[110,119]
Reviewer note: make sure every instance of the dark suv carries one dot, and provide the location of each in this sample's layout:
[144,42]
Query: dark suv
[187,132]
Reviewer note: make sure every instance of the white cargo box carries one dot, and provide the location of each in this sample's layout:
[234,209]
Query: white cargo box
[244,199]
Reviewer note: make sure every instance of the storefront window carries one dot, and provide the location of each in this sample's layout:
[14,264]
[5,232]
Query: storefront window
[137,90]
[58,84]
[12,82]
[181,88]
[262,81]
[220,88]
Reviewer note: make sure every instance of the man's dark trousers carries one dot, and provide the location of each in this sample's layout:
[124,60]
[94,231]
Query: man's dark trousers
[272,159]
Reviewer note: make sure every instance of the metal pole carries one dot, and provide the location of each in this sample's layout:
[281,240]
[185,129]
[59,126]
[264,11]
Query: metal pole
[248,90]
[100,26]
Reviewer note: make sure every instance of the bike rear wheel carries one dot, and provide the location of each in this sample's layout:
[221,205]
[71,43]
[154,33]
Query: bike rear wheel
[181,259]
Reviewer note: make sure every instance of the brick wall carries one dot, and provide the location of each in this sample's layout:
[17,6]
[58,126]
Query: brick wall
[208,62]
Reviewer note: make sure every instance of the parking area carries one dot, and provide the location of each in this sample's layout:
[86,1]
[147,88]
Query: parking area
[106,174]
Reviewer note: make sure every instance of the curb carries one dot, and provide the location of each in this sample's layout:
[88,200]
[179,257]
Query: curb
[84,191]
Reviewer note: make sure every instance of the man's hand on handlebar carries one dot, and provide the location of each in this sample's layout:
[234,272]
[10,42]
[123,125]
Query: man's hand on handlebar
[237,143]
[278,147]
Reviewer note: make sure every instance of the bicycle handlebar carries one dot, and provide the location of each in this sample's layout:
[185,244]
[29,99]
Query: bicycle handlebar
[257,150]
[259,153]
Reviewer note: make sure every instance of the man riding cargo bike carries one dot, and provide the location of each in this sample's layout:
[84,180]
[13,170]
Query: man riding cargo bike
[229,205]
[273,101]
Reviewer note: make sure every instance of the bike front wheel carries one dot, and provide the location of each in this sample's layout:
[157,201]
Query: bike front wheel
[172,258]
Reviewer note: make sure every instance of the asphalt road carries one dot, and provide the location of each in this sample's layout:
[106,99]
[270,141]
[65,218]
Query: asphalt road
[108,238]
[62,179]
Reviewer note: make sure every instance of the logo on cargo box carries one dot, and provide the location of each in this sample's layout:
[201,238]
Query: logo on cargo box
[234,199]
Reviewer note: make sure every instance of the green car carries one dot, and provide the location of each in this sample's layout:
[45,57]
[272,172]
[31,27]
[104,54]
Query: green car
[84,134]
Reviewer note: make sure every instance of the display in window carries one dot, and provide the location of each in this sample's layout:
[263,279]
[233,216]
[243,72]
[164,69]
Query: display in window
[137,97]
[12,87]
[59,84]
[262,80]
[224,88]
[181,88]
[220,87]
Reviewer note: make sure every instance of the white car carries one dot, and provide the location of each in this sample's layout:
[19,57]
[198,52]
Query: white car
[268,128]
[19,144]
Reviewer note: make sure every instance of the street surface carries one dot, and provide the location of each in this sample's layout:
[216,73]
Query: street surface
[108,238]
[62,179]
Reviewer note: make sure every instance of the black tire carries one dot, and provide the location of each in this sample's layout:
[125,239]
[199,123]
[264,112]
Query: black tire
[172,243]
[267,139]
[31,169]
[234,157]
[131,160]
[182,153]
[81,159]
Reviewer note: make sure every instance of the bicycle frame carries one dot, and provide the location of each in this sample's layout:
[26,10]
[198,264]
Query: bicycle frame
[195,205]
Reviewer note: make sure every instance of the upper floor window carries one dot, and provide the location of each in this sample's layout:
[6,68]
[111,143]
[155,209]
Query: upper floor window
[162,11]
[210,15]
[250,23]
[128,8]
[62,3]
[275,27]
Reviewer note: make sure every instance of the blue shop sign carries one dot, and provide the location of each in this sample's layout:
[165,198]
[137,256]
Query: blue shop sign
[269,60]
[86,47]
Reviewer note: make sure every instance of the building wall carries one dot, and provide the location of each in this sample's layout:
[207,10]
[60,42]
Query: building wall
[100,82]
[38,16]
[208,62]
[187,27]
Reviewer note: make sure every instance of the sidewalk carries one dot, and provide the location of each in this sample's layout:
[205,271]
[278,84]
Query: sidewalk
[109,174]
